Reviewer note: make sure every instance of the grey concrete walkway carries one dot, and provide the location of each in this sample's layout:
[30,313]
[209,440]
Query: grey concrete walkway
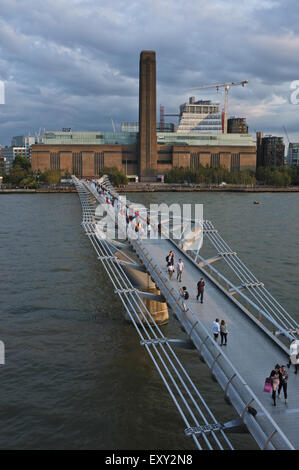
[252,353]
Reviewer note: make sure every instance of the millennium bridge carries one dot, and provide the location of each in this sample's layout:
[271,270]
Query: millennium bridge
[260,329]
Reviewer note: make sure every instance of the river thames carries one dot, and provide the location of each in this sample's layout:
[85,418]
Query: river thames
[75,375]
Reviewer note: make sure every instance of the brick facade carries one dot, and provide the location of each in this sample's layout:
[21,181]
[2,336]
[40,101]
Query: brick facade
[87,160]
[84,160]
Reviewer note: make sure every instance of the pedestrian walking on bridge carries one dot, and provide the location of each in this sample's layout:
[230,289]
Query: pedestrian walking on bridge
[200,289]
[223,333]
[185,294]
[170,259]
[216,329]
[293,355]
[170,271]
[275,380]
[180,269]
[283,383]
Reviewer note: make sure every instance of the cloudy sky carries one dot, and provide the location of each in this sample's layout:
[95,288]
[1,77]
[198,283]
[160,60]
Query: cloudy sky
[74,63]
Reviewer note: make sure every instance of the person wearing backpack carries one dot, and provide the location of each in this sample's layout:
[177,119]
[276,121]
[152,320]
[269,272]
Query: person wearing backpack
[185,294]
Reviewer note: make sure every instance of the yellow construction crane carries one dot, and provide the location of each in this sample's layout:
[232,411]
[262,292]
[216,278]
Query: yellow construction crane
[226,87]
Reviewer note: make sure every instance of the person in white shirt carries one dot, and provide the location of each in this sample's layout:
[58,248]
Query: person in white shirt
[216,329]
[293,354]
[180,269]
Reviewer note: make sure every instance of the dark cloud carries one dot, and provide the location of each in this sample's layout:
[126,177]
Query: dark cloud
[75,63]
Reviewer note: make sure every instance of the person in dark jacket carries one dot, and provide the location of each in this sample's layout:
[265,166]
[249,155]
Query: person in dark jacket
[170,259]
[283,383]
[200,289]
[184,293]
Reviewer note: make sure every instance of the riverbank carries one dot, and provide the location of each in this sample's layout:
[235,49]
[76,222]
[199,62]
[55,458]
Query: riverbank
[164,187]
[40,191]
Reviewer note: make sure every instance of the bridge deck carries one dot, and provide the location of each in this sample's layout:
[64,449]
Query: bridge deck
[253,354]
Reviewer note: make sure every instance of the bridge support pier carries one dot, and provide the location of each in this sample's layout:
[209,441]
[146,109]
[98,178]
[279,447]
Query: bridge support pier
[142,281]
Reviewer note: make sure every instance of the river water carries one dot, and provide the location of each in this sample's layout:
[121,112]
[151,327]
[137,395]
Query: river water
[75,375]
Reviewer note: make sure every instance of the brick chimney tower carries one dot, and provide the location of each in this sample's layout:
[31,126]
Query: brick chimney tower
[147,159]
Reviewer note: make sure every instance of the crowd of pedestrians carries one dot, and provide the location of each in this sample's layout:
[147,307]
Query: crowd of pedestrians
[278,379]
[218,329]
[136,224]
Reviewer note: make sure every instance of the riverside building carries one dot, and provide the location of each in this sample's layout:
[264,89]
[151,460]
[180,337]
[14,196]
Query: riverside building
[10,154]
[141,149]
[199,116]
[237,126]
[270,150]
[293,155]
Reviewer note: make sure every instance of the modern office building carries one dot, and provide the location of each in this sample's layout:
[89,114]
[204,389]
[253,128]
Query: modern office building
[26,141]
[259,139]
[270,151]
[17,141]
[199,117]
[2,166]
[10,154]
[30,140]
[7,156]
[293,155]
[237,126]
[140,148]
